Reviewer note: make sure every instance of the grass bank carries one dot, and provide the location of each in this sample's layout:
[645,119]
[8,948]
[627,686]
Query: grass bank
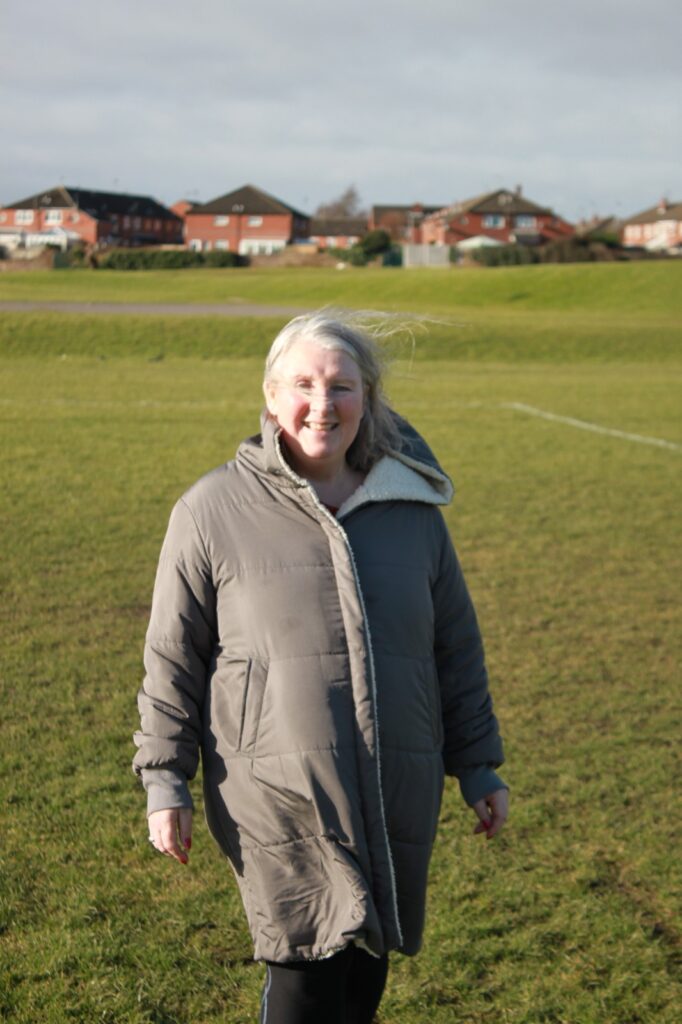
[647,287]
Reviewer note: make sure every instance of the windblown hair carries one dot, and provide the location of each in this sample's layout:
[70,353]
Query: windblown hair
[348,332]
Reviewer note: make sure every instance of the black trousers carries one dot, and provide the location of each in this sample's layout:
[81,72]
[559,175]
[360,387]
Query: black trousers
[344,989]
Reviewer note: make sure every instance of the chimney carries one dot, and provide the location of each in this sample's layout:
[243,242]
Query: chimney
[662,204]
[517,191]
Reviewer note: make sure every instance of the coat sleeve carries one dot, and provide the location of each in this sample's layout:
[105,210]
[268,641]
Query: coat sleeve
[180,644]
[471,735]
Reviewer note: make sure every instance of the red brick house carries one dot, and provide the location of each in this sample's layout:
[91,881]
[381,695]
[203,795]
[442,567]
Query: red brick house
[247,221]
[659,228]
[402,223]
[504,216]
[73,214]
[337,233]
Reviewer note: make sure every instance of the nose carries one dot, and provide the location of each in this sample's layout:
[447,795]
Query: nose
[321,399]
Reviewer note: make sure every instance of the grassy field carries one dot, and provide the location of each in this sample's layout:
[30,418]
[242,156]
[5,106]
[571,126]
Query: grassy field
[570,542]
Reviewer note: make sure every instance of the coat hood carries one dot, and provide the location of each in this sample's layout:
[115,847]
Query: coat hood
[411,474]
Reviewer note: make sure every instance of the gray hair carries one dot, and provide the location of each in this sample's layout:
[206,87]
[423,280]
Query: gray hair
[333,329]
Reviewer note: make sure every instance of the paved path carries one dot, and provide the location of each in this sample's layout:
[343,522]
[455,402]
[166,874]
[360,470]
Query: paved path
[154,309]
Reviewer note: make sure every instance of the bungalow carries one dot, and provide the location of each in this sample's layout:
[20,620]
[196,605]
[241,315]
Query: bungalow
[659,228]
[115,218]
[337,233]
[247,221]
[504,216]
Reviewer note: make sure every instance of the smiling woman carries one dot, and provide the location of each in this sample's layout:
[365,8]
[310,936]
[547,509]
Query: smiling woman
[312,635]
[318,402]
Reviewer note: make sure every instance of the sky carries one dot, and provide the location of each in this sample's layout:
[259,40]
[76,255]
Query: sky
[436,101]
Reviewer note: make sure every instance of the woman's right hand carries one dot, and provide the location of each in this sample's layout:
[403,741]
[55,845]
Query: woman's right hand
[170,832]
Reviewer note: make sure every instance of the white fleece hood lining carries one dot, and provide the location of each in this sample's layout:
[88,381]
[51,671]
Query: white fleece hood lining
[400,478]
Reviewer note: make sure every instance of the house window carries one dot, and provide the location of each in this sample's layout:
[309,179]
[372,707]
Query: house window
[137,223]
[3,218]
[126,222]
[255,222]
[524,220]
[221,244]
[53,216]
[75,217]
[23,217]
[221,221]
[493,220]
[157,225]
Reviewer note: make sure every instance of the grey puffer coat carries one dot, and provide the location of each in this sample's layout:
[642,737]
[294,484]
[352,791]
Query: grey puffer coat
[330,670]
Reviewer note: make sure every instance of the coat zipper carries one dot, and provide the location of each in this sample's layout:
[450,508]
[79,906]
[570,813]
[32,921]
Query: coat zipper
[300,481]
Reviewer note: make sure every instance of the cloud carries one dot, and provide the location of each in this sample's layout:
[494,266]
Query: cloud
[578,101]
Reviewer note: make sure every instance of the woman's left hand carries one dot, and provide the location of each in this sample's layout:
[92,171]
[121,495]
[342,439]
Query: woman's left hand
[492,811]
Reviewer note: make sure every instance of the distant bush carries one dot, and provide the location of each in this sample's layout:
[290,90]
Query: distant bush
[356,256]
[374,243]
[505,255]
[561,250]
[221,258]
[169,259]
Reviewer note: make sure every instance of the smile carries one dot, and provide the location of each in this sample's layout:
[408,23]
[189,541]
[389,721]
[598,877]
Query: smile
[321,428]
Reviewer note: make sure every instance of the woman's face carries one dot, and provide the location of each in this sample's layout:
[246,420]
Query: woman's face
[318,399]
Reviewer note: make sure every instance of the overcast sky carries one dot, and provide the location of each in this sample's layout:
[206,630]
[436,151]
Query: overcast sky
[578,101]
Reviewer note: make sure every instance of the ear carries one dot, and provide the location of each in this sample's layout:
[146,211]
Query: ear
[270,392]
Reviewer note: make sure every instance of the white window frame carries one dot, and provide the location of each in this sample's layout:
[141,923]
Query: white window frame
[525,220]
[255,221]
[222,244]
[221,220]
[23,216]
[493,220]
[53,216]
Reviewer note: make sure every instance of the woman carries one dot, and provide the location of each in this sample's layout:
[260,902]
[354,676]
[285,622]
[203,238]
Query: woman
[312,634]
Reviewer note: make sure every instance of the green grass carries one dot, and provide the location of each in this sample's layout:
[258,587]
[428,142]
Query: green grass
[621,288]
[569,544]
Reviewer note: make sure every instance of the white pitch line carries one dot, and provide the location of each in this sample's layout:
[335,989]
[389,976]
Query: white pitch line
[594,427]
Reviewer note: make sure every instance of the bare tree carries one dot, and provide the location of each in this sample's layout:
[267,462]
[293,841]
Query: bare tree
[346,205]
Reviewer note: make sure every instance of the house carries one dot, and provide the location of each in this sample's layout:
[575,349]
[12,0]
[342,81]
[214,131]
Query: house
[504,216]
[77,214]
[247,221]
[659,228]
[337,233]
[402,223]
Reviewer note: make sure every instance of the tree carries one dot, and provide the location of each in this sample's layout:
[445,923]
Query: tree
[346,205]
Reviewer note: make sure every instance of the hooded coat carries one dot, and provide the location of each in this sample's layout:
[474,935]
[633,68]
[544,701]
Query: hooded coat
[331,672]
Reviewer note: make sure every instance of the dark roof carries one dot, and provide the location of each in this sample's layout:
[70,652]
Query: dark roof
[501,201]
[599,226]
[338,226]
[247,199]
[380,211]
[662,211]
[99,205]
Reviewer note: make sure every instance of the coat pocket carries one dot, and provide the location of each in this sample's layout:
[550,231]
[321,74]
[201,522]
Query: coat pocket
[252,704]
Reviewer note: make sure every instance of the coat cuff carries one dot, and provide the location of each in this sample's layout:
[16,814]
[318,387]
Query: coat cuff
[166,788]
[479,782]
